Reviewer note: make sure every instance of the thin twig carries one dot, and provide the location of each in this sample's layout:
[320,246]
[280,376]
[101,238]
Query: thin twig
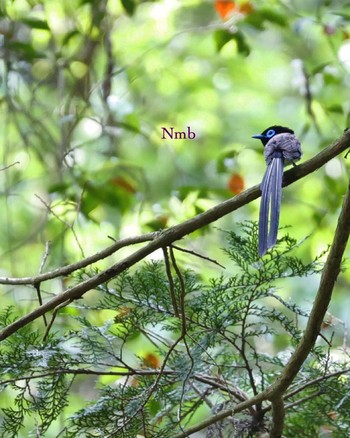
[82,371]
[316,381]
[171,282]
[10,165]
[235,392]
[45,256]
[37,285]
[182,291]
[68,225]
[53,317]
[183,325]
[304,399]
[189,251]
[40,301]
[152,388]
[66,270]
[309,99]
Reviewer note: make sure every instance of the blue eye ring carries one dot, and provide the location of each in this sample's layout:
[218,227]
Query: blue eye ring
[270,133]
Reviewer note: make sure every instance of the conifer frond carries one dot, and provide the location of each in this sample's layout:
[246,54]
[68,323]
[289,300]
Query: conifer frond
[227,339]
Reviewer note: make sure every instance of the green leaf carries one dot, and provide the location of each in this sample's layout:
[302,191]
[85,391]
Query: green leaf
[59,187]
[36,24]
[184,191]
[274,17]
[222,37]
[228,153]
[24,50]
[258,18]
[242,45]
[69,36]
[129,6]
[319,68]
[132,123]
[342,14]
[335,108]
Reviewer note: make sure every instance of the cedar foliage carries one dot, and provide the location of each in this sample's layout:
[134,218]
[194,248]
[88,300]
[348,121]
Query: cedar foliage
[209,358]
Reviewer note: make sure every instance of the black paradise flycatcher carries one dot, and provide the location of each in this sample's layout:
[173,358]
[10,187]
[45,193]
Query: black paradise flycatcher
[281,148]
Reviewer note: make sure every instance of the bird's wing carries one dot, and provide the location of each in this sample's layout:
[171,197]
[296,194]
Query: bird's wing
[287,143]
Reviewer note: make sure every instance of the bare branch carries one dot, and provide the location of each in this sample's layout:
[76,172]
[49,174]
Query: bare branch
[316,381]
[66,270]
[182,291]
[201,256]
[304,399]
[237,393]
[278,414]
[222,415]
[82,371]
[10,165]
[45,256]
[171,282]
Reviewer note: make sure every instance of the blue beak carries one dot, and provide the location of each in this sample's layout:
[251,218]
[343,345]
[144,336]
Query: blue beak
[260,136]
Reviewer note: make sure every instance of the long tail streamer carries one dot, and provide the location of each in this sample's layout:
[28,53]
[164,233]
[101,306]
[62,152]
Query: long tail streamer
[271,188]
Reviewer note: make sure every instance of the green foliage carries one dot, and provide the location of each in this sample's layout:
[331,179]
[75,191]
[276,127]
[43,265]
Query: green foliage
[211,355]
[22,356]
[222,37]
[129,6]
[326,410]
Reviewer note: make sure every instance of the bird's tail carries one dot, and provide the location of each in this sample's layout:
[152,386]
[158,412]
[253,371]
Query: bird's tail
[271,193]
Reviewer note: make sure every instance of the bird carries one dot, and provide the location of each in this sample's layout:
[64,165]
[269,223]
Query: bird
[281,147]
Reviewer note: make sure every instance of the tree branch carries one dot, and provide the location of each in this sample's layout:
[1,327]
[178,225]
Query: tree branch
[66,270]
[278,414]
[167,237]
[82,371]
[329,275]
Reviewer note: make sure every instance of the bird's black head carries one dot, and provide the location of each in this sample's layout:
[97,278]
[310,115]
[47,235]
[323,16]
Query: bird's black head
[270,132]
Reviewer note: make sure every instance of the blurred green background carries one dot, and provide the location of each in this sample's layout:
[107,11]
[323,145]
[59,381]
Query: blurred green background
[86,87]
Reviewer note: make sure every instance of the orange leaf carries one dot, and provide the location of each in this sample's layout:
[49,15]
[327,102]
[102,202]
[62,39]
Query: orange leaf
[346,35]
[224,8]
[163,220]
[151,360]
[236,184]
[333,415]
[123,313]
[123,183]
[134,381]
[246,8]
